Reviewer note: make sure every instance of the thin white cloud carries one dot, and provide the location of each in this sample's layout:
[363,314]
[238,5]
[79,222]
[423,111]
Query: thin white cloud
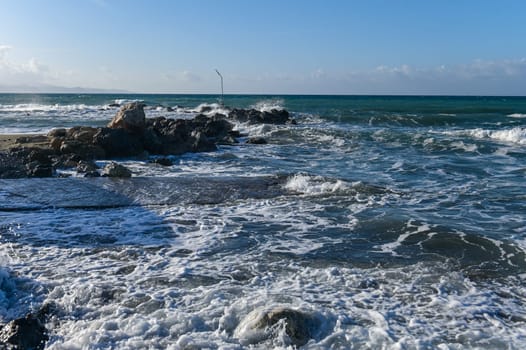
[475,70]
[190,77]
[21,73]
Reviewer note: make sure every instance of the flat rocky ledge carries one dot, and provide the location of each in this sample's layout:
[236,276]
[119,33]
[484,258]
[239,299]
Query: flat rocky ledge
[128,134]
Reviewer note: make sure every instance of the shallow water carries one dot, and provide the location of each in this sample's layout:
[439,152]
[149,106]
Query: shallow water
[392,222]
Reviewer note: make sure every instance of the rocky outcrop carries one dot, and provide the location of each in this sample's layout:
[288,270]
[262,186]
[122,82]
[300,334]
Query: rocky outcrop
[254,116]
[129,134]
[130,117]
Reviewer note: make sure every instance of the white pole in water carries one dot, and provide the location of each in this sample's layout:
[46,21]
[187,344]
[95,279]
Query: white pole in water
[222,94]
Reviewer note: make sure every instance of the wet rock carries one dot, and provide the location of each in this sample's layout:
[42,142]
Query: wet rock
[162,161]
[26,162]
[113,169]
[130,117]
[253,116]
[40,155]
[257,141]
[24,333]
[84,166]
[202,143]
[113,105]
[130,134]
[298,326]
[56,142]
[66,161]
[118,142]
[36,169]
[152,141]
[11,166]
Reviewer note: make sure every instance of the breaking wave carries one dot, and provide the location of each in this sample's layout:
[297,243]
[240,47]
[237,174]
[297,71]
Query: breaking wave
[515,135]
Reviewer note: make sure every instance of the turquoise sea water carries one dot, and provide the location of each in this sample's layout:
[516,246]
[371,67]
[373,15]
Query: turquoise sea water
[395,221]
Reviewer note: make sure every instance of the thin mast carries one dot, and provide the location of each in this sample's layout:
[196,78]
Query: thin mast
[222,94]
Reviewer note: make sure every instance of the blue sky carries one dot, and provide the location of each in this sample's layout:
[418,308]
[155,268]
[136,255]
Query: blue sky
[266,46]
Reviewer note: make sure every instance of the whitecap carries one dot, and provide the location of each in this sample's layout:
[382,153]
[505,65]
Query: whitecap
[269,105]
[210,109]
[517,115]
[313,185]
[515,135]
[122,101]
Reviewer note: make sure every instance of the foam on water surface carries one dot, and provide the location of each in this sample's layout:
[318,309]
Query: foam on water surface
[377,224]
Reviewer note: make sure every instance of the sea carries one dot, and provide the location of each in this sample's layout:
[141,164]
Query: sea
[387,222]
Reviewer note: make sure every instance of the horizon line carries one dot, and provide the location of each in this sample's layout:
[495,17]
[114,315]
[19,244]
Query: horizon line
[249,94]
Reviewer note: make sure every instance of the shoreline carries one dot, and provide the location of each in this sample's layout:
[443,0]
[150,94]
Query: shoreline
[8,141]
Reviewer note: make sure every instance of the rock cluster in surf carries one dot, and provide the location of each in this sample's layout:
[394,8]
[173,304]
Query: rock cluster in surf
[129,134]
[26,332]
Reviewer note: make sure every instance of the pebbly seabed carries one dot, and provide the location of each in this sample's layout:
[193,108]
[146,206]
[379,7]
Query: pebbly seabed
[373,222]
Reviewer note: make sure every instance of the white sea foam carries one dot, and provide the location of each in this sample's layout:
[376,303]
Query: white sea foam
[517,115]
[269,105]
[412,229]
[194,277]
[460,145]
[122,101]
[515,135]
[56,108]
[210,108]
[314,185]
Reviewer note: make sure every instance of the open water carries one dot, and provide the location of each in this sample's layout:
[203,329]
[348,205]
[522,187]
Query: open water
[389,222]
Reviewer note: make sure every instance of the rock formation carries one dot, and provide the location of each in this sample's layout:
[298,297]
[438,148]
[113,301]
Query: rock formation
[129,134]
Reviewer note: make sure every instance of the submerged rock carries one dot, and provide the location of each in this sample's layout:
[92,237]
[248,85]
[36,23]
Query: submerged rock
[113,169]
[84,166]
[162,161]
[257,140]
[298,326]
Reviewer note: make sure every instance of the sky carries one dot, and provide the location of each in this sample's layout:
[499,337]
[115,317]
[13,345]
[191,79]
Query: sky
[445,47]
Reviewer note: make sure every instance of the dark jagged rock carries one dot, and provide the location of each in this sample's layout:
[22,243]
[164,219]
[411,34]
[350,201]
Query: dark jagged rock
[118,142]
[84,166]
[83,149]
[162,161]
[11,166]
[254,116]
[257,140]
[66,161]
[113,105]
[35,169]
[26,332]
[177,136]
[116,170]
[129,134]
[26,162]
